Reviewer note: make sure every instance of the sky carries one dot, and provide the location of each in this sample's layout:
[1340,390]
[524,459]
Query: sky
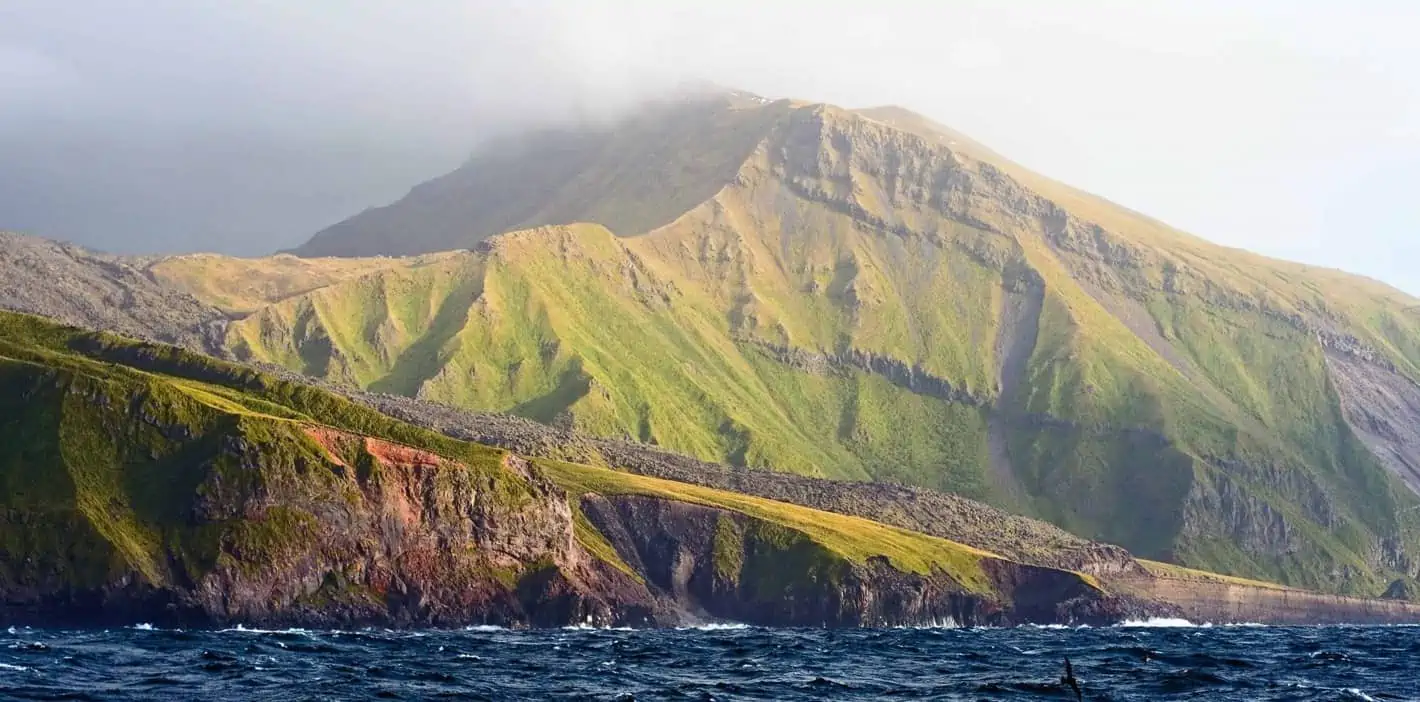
[1288,127]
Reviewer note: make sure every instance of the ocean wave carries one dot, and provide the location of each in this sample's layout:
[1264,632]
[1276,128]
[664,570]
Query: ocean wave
[239,629]
[715,626]
[939,624]
[1162,623]
[485,628]
[763,663]
[1172,623]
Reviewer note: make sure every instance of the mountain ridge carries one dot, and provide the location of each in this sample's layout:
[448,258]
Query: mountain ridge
[1134,323]
[619,523]
[860,301]
[151,482]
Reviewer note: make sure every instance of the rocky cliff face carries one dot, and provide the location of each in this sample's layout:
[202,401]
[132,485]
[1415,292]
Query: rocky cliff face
[197,493]
[1227,603]
[270,523]
[139,482]
[367,531]
[717,564]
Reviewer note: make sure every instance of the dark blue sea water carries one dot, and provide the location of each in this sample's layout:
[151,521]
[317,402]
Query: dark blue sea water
[1122,663]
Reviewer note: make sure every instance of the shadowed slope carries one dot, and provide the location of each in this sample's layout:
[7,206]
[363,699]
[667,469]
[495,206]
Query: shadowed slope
[633,177]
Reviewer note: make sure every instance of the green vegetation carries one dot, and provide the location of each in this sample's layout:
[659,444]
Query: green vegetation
[729,549]
[1169,570]
[123,456]
[244,285]
[851,538]
[831,293]
[117,455]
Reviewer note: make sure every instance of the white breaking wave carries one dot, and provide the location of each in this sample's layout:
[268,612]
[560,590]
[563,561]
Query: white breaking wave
[239,629]
[1162,623]
[485,628]
[16,668]
[948,623]
[143,627]
[1170,623]
[715,626]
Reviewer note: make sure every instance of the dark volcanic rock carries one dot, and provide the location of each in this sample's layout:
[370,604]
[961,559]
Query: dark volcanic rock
[724,565]
[1402,589]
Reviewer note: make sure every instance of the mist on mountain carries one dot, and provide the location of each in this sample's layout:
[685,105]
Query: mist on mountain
[170,126]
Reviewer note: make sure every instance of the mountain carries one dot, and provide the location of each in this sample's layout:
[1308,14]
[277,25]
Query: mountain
[633,177]
[868,295]
[619,521]
[141,482]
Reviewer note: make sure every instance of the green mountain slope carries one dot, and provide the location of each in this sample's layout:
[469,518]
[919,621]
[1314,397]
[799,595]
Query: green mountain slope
[140,482]
[868,295]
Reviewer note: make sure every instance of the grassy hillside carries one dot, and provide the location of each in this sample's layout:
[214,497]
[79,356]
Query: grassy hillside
[112,447]
[872,296]
[853,538]
[240,286]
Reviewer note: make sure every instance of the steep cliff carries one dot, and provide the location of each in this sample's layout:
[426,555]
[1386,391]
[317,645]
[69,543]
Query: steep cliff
[141,482]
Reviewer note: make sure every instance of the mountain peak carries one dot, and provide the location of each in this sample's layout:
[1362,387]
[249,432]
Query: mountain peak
[868,294]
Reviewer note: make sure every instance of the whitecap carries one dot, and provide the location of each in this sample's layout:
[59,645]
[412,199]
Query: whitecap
[715,626]
[143,627]
[484,628]
[948,623]
[16,668]
[239,629]
[1162,623]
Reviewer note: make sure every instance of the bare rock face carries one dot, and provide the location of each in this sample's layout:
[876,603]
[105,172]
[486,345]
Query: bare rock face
[1383,408]
[421,542]
[98,291]
[721,565]
[1402,589]
[1226,603]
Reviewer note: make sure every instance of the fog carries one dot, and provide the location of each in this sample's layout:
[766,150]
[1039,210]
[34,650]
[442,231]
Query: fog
[1283,126]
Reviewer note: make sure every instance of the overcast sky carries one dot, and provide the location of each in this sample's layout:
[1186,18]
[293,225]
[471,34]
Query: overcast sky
[1285,126]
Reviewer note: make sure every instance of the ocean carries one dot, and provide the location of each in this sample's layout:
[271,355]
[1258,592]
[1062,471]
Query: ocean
[1158,660]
